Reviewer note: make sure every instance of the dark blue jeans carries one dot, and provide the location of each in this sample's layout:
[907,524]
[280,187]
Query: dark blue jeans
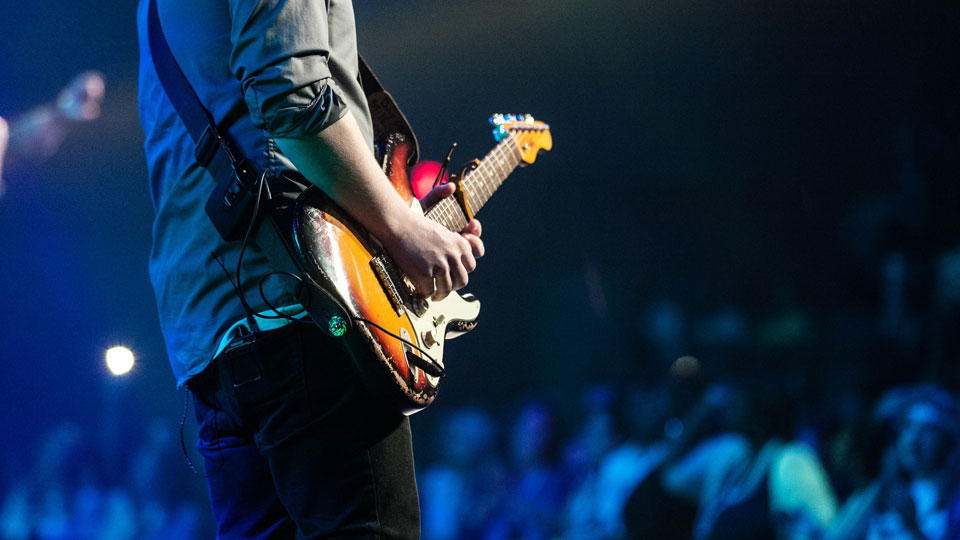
[294,445]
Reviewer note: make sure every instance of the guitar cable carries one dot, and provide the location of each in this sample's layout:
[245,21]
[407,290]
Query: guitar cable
[251,321]
[183,445]
[243,248]
[443,167]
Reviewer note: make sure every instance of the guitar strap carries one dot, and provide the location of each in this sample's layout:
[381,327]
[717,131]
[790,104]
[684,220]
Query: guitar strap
[231,205]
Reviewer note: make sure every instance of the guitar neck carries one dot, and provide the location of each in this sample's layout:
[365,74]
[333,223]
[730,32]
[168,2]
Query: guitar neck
[479,184]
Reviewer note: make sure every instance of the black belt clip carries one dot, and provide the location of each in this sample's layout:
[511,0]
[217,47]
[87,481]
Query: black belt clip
[207,146]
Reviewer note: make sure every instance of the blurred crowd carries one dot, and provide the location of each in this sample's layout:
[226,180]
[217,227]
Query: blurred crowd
[680,459]
[725,461]
[75,487]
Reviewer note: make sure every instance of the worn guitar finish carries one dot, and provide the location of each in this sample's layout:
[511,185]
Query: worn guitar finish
[394,334]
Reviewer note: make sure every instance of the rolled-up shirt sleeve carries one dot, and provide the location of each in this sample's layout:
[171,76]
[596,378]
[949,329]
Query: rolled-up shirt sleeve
[280,54]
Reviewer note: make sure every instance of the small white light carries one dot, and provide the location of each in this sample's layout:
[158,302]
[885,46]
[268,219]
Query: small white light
[119,360]
[685,366]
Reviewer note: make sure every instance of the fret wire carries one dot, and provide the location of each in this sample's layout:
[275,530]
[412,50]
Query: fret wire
[488,180]
[479,194]
[503,161]
[447,214]
[470,186]
[436,214]
[456,216]
[493,172]
[495,166]
[501,165]
[458,221]
[484,180]
[452,210]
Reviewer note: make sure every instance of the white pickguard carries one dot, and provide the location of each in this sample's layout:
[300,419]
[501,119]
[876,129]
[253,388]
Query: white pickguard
[431,328]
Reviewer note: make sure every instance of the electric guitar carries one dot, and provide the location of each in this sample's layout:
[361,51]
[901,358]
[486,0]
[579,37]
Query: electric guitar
[394,334]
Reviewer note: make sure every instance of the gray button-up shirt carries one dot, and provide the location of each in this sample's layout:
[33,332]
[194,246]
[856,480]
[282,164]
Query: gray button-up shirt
[264,69]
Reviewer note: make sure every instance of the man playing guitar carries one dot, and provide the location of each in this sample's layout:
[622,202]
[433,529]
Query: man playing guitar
[293,441]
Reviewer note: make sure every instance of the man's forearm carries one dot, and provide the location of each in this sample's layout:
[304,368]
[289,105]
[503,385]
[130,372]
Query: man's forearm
[338,161]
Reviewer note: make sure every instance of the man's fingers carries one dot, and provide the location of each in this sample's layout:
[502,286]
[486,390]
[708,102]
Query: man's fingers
[476,246]
[469,261]
[436,194]
[472,234]
[472,228]
[458,254]
[459,275]
[444,286]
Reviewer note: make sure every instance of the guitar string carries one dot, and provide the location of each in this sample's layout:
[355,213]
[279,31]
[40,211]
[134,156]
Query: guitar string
[484,180]
[481,183]
[490,182]
[476,183]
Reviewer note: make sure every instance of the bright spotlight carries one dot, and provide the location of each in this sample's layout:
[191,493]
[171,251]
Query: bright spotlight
[119,360]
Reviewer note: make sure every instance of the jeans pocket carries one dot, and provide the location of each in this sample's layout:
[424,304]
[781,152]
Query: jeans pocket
[266,370]
[269,385]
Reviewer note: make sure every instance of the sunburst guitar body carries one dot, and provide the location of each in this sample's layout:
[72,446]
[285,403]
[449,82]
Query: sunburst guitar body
[395,335]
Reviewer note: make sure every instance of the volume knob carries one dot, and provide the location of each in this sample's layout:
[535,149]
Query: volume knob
[428,339]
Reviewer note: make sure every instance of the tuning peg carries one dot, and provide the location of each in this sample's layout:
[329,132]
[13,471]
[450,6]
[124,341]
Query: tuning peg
[496,120]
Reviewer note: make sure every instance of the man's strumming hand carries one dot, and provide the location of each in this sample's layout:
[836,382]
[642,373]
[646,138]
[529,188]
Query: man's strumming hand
[434,258]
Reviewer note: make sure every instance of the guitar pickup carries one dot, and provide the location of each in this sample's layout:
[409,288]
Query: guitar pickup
[379,266]
[398,289]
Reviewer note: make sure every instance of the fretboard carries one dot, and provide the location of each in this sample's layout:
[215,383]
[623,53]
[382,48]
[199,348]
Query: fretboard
[479,184]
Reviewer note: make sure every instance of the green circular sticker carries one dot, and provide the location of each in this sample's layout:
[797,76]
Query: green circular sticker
[337,325]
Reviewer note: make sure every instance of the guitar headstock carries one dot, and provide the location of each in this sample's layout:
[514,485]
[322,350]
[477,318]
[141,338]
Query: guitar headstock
[531,136]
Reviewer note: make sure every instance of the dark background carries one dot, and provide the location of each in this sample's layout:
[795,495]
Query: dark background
[751,156]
